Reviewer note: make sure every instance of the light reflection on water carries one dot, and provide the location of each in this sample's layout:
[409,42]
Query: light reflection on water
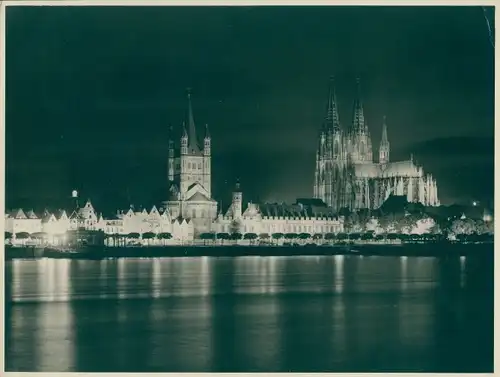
[341,313]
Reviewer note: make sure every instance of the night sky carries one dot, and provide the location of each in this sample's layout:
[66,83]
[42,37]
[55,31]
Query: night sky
[91,92]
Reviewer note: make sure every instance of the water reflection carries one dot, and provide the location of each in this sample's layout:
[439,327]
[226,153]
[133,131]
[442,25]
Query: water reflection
[339,273]
[463,266]
[404,273]
[320,314]
[121,278]
[156,286]
[53,338]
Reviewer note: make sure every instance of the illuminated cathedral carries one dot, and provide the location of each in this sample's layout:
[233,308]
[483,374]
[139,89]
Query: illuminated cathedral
[346,175]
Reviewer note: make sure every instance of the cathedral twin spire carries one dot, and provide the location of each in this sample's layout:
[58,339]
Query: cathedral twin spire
[358,134]
[358,117]
[332,120]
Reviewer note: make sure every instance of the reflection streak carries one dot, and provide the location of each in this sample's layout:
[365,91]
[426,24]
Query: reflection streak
[463,271]
[53,337]
[339,273]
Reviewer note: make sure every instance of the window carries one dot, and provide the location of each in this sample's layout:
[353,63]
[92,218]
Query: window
[199,165]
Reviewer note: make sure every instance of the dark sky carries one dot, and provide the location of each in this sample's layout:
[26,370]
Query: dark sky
[90,93]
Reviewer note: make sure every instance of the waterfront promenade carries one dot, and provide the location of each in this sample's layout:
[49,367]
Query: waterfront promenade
[395,249]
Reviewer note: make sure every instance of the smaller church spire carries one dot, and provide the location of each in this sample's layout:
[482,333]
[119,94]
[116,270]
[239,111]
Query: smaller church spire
[170,136]
[184,140]
[184,131]
[384,131]
[384,148]
[207,142]
[207,132]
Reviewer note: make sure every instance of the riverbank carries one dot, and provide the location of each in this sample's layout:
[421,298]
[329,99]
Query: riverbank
[429,249]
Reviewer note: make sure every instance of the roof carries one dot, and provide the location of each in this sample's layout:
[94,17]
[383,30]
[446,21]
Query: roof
[47,217]
[295,210]
[311,202]
[18,214]
[198,197]
[31,214]
[392,169]
[60,212]
[181,219]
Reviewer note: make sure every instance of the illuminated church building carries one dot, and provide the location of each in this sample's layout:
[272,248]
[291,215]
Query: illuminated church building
[189,174]
[346,175]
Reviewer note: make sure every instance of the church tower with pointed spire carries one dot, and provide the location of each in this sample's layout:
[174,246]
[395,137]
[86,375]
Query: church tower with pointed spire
[190,189]
[194,160]
[384,148]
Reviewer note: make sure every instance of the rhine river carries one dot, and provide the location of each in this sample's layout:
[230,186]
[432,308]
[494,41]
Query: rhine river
[250,314]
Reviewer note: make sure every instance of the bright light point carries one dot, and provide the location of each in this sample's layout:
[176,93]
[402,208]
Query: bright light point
[74,194]
[474,203]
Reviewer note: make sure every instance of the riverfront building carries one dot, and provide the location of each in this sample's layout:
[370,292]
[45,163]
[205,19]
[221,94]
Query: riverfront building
[54,225]
[305,216]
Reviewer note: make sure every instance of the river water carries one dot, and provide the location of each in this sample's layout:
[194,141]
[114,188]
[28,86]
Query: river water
[250,314]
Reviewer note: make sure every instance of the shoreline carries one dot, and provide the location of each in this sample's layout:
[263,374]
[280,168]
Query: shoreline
[98,253]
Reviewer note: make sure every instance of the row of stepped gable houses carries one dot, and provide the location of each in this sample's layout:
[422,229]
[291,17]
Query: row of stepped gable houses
[124,227]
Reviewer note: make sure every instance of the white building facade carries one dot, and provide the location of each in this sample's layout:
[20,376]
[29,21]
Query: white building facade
[306,216]
[55,224]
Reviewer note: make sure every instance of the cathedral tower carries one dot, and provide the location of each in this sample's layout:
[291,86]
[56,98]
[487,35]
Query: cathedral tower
[384,148]
[359,141]
[331,153]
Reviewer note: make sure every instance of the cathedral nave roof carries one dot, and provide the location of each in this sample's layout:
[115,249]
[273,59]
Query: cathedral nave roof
[392,169]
